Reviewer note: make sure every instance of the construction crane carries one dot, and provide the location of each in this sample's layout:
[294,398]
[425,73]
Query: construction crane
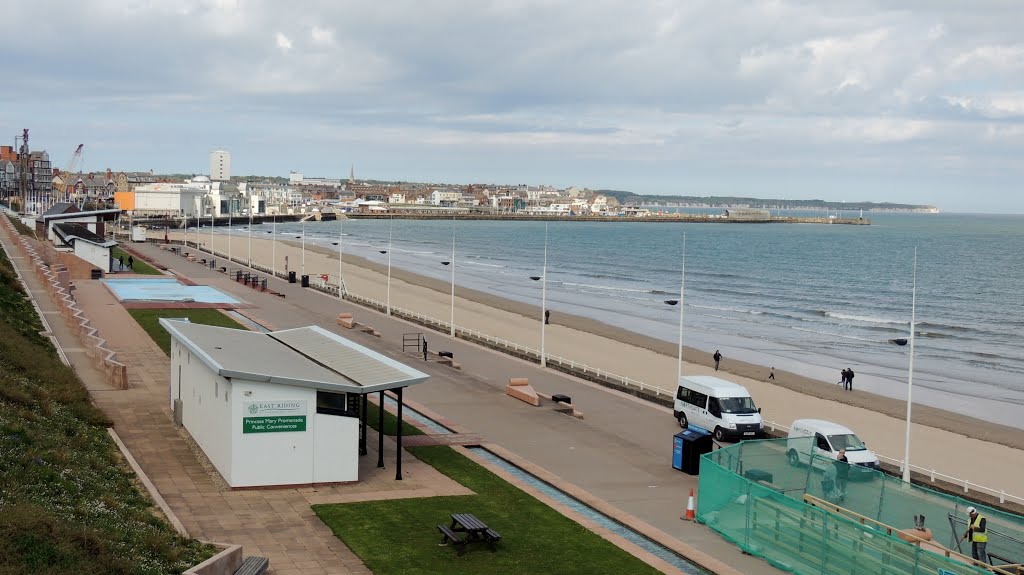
[67,175]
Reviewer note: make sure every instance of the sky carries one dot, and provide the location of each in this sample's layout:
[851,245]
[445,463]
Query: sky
[909,101]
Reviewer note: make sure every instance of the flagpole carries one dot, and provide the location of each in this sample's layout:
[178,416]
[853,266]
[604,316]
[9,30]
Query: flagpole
[341,253]
[273,247]
[682,295]
[391,228]
[453,279]
[910,373]
[544,298]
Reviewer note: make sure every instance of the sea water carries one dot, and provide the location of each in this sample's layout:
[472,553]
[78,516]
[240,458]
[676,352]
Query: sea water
[806,298]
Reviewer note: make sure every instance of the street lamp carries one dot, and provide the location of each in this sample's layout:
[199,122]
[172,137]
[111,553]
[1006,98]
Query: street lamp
[341,253]
[250,234]
[273,247]
[229,230]
[910,373]
[391,228]
[303,264]
[543,296]
[682,294]
[452,262]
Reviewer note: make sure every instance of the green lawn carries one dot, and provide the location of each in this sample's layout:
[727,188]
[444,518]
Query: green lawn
[390,422]
[22,228]
[138,266]
[68,502]
[149,319]
[400,536]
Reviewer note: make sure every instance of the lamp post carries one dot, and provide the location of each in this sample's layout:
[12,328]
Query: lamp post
[543,297]
[250,234]
[452,262]
[229,230]
[680,302]
[273,247]
[303,263]
[910,373]
[391,228]
[212,212]
[341,253]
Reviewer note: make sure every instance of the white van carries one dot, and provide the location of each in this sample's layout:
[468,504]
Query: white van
[721,407]
[829,438]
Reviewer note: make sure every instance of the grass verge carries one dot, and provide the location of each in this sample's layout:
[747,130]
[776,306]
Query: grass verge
[149,319]
[400,536]
[390,422]
[68,503]
[138,266]
[22,228]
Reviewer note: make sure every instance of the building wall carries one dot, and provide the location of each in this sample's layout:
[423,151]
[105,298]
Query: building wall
[98,256]
[206,406]
[220,166]
[282,458]
[335,448]
[125,200]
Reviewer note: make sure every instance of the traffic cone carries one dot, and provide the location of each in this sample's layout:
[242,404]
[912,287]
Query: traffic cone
[690,514]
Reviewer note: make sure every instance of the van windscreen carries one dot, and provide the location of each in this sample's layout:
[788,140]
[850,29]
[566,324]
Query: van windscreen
[737,405]
[849,442]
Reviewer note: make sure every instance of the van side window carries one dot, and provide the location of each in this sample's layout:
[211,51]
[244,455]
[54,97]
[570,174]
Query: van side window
[681,393]
[692,397]
[713,407]
[821,442]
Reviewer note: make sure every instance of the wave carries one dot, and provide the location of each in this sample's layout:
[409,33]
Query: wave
[732,309]
[861,318]
[481,264]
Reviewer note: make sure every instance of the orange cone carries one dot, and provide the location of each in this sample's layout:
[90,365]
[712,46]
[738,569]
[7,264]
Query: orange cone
[690,514]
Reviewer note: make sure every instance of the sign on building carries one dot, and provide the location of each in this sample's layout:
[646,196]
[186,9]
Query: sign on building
[273,416]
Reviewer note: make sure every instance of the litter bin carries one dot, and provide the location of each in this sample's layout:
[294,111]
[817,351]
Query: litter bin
[291,277]
[305,281]
[687,447]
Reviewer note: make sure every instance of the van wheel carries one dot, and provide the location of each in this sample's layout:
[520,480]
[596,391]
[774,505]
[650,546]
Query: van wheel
[682,421]
[794,459]
[719,434]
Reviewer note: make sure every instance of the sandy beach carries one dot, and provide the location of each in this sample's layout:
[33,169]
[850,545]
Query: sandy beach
[950,443]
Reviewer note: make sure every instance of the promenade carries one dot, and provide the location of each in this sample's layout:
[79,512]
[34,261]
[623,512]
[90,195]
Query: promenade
[620,453]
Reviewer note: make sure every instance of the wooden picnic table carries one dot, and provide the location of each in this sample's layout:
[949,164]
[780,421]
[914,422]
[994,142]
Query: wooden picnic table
[475,530]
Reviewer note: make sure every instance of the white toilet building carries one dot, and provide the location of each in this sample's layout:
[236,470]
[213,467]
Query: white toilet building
[279,408]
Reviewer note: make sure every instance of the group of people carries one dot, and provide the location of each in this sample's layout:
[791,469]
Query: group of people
[131,262]
[847,379]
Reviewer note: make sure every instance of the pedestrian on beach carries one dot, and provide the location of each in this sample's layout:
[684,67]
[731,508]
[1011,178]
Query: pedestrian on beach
[771,374]
[120,262]
[849,380]
[547,316]
[131,263]
[424,349]
[842,378]
[718,358]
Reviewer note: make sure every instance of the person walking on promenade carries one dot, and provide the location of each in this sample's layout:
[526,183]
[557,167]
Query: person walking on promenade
[718,358]
[547,316]
[771,374]
[849,380]
[120,262]
[424,349]
[131,263]
[977,531]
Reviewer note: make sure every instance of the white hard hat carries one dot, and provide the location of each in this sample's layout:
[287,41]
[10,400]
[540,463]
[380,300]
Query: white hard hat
[971,511]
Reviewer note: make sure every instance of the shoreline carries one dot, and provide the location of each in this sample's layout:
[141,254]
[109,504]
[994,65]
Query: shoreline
[617,350]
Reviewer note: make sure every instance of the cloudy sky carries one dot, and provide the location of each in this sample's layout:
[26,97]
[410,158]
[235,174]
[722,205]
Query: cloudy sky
[916,101]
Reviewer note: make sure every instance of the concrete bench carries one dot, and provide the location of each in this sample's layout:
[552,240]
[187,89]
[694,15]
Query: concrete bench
[449,361]
[345,320]
[520,388]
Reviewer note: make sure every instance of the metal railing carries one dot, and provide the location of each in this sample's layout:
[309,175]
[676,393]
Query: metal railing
[931,473]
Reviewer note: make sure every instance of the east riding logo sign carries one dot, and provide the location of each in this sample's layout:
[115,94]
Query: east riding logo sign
[274,416]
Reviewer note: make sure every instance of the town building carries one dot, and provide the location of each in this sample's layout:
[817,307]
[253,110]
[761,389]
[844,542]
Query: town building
[220,166]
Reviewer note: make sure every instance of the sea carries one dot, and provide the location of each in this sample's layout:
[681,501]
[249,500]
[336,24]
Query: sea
[811,299]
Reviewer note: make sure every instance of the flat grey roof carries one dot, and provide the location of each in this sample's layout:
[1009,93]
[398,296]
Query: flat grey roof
[306,357]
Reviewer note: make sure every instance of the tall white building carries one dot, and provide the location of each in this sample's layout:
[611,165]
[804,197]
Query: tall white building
[220,166]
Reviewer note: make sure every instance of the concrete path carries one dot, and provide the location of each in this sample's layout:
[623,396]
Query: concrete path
[620,452]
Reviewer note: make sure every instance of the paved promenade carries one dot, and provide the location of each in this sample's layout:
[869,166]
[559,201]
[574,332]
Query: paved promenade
[619,453]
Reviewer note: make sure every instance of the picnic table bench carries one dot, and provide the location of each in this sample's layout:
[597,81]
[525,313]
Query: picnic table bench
[474,531]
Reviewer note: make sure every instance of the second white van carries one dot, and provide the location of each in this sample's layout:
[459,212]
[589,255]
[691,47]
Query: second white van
[721,407]
[827,438]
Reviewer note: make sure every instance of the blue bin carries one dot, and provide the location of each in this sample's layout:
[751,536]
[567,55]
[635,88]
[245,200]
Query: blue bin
[687,447]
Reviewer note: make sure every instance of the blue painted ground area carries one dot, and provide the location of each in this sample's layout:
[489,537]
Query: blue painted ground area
[166,289]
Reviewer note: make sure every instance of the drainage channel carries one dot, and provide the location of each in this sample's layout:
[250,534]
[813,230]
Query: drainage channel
[626,532]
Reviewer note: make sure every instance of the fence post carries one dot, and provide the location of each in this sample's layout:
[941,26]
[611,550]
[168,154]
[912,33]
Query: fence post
[933,476]
[1002,496]
[966,489]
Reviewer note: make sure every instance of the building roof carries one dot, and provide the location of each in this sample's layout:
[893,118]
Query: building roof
[110,214]
[70,232]
[306,357]
[61,208]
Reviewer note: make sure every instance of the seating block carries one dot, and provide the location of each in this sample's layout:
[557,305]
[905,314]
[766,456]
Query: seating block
[520,388]
[345,320]
[450,362]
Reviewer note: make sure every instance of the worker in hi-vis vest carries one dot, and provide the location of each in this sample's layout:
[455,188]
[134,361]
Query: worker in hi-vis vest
[977,531]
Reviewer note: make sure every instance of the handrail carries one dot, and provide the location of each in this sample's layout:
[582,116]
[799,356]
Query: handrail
[627,381]
[889,530]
